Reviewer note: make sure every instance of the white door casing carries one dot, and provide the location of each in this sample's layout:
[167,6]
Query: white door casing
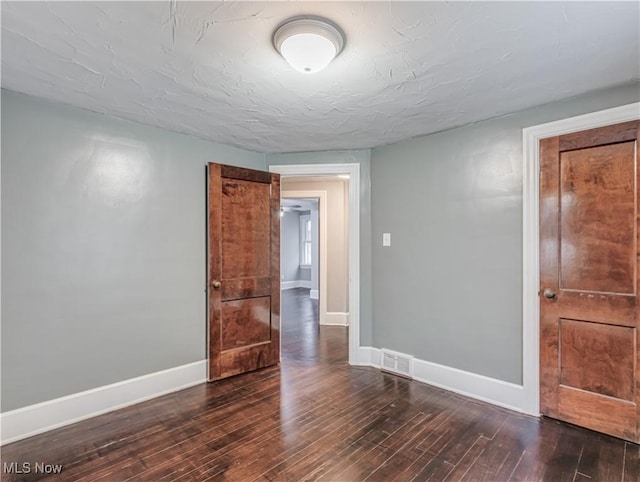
[531,137]
[353,170]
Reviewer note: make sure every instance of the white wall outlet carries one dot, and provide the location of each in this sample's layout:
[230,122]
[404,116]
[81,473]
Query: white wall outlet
[386,239]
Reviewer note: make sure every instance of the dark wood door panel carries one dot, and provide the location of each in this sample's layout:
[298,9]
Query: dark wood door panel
[589,317]
[597,218]
[235,362]
[241,173]
[244,270]
[246,322]
[234,289]
[599,307]
[597,412]
[600,136]
[598,358]
[246,229]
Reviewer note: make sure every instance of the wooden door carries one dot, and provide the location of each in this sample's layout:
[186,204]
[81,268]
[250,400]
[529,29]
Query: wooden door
[589,357]
[244,270]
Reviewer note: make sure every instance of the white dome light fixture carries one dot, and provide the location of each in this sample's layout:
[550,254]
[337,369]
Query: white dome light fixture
[307,43]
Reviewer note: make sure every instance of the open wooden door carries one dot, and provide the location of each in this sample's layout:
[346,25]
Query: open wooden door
[244,270]
[589,260]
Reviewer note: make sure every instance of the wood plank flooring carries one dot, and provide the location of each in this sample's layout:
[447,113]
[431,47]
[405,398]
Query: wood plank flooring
[317,418]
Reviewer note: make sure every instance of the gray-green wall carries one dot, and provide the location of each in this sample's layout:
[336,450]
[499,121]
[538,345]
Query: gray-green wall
[449,288]
[103,248]
[362,157]
[103,244]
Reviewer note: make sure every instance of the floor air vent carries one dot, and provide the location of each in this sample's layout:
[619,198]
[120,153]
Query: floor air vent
[397,363]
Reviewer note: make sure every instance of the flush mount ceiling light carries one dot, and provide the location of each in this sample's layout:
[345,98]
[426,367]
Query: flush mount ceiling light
[309,44]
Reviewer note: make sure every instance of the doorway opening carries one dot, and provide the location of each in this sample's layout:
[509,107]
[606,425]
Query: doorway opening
[314,265]
[348,292]
[299,261]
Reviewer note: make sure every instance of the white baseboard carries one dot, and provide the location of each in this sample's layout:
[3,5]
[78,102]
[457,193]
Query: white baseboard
[34,419]
[313,294]
[336,318]
[368,356]
[41,417]
[287,285]
[480,387]
[492,390]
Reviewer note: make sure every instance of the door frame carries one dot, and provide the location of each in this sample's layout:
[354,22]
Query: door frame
[321,196]
[531,137]
[353,169]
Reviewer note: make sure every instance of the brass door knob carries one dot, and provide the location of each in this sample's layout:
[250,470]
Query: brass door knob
[216,285]
[549,294]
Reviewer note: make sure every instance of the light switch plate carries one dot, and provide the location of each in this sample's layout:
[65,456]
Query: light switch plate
[386,239]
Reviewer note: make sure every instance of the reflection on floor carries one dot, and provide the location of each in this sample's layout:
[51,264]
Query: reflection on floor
[317,418]
[302,337]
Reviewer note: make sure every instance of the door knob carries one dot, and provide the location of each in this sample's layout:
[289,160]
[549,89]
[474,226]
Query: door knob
[216,284]
[549,294]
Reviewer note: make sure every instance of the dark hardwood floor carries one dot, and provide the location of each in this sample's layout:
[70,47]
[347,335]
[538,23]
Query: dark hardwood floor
[317,418]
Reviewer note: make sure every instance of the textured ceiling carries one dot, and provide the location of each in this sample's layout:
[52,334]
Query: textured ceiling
[408,68]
